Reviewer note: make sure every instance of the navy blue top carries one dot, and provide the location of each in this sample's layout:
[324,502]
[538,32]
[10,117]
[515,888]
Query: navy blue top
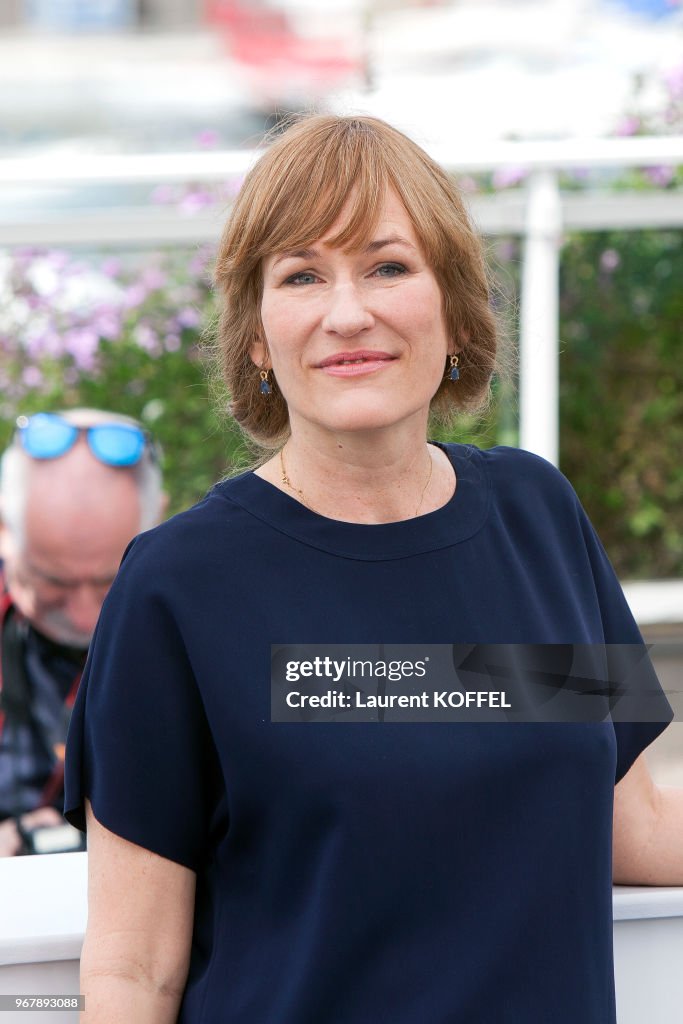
[355,872]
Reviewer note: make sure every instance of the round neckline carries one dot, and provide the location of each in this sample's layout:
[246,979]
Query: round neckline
[463,514]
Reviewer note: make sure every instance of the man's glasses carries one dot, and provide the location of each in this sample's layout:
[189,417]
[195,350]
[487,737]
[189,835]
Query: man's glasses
[48,435]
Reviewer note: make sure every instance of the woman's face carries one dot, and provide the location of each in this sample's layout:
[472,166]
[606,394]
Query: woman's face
[357,341]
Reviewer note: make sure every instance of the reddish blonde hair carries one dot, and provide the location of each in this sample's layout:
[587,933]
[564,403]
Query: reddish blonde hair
[293,195]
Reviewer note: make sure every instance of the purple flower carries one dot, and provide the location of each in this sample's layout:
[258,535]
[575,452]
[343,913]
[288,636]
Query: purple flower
[171,342]
[40,342]
[81,344]
[208,138]
[10,389]
[33,343]
[610,260]
[106,322]
[32,377]
[134,296]
[505,177]
[467,183]
[26,255]
[659,176]
[146,338]
[229,189]
[628,125]
[52,342]
[193,202]
[57,259]
[111,267]
[199,263]
[673,79]
[153,279]
[164,194]
[76,269]
[188,317]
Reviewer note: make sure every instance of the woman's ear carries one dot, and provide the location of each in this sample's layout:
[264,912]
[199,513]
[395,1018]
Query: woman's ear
[260,355]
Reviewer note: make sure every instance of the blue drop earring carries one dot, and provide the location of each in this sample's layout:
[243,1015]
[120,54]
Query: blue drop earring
[264,386]
[455,372]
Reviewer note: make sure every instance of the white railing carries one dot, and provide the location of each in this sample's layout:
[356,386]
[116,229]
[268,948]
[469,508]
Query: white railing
[45,910]
[88,169]
[540,212]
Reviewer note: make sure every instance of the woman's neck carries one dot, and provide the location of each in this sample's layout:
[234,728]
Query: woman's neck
[363,480]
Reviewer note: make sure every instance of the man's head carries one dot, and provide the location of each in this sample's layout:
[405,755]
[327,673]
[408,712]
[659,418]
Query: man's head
[65,522]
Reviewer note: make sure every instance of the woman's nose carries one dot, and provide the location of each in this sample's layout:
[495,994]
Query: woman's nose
[347,313]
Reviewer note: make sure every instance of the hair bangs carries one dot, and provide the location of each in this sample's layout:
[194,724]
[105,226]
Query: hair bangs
[341,174]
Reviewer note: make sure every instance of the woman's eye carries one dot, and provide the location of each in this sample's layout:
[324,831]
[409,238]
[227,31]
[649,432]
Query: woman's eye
[390,270]
[303,277]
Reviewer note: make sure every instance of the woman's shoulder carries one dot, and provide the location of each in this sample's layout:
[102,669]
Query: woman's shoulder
[518,463]
[517,472]
[189,540]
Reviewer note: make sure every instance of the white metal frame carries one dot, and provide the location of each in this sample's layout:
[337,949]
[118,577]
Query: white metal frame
[45,911]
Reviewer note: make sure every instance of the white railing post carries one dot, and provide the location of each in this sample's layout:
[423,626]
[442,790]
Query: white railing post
[539,318]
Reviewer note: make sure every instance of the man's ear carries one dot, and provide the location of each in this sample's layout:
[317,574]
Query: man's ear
[5,542]
[163,505]
[3,536]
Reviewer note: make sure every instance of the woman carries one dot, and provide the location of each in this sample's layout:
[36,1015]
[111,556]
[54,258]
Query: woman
[338,872]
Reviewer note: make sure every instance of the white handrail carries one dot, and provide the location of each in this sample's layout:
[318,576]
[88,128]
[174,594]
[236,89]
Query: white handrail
[129,168]
[503,213]
[45,910]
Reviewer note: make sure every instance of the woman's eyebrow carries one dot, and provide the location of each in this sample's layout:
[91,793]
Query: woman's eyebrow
[380,243]
[294,254]
[310,254]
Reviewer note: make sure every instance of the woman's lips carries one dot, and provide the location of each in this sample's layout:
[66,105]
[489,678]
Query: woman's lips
[355,364]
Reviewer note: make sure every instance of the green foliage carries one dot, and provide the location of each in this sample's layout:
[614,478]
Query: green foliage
[497,423]
[621,391]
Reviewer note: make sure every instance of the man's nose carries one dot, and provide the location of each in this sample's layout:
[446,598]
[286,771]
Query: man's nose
[347,313]
[83,607]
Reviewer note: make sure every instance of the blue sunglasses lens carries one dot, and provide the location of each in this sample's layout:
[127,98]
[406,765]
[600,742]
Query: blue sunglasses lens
[116,444]
[47,437]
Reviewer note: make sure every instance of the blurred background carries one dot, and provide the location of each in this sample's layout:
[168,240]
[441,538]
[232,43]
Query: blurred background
[127,125]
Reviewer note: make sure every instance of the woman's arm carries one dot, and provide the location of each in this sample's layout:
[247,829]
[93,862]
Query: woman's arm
[648,830]
[136,952]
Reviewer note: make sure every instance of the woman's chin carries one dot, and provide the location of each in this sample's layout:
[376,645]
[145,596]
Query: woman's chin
[364,413]
[360,422]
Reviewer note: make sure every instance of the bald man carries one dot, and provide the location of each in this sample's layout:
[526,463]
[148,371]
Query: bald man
[71,498]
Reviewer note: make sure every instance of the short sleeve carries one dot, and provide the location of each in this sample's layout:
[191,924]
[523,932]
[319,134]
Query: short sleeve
[139,745]
[619,627]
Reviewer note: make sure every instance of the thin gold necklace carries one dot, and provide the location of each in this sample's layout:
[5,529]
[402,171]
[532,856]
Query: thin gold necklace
[297,490]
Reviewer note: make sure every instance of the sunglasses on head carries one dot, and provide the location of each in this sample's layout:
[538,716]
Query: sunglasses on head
[48,435]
